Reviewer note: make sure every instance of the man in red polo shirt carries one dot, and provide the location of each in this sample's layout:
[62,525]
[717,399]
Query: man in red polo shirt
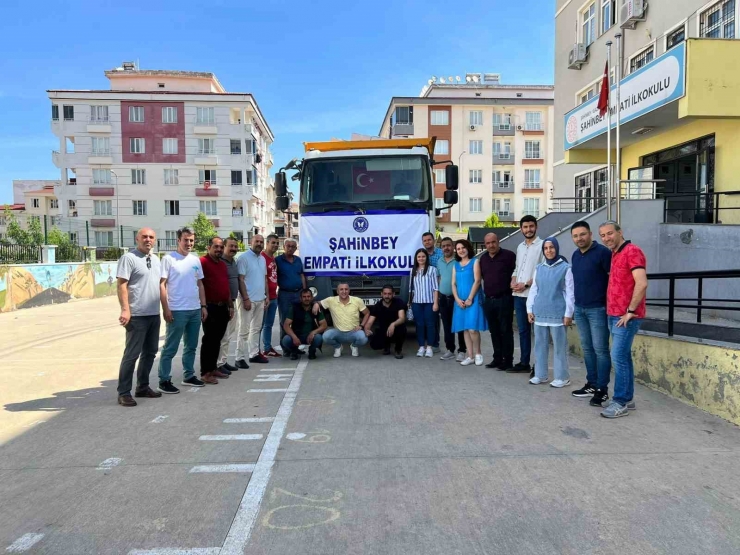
[268,321]
[220,310]
[625,309]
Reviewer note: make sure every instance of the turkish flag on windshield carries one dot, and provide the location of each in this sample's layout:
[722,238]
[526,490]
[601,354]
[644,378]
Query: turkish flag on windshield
[371,182]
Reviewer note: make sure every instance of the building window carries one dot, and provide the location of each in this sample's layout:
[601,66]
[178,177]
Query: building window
[533,121]
[73,237]
[442,147]
[171,177]
[236,146]
[72,204]
[642,59]
[502,150]
[169,114]
[532,179]
[69,113]
[532,207]
[475,147]
[585,96]
[439,117]
[102,208]
[588,196]
[205,116]
[208,176]
[502,180]
[532,150]
[206,146]
[502,122]
[588,24]
[101,146]
[476,117]
[608,8]
[101,177]
[440,177]
[251,146]
[54,203]
[172,208]
[502,207]
[476,205]
[675,37]
[441,206]
[138,177]
[136,114]
[404,115]
[36,203]
[103,238]
[55,112]
[136,145]
[476,176]
[99,114]
[169,146]
[170,237]
[139,207]
[208,207]
[236,177]
[718,22]
[251,176]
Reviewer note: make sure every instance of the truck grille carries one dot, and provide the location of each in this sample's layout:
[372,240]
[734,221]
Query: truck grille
[371,285]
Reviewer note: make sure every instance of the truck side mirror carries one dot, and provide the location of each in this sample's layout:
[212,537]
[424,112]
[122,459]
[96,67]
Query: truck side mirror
[282,203]
[450,197]
[281,185]
[451,177]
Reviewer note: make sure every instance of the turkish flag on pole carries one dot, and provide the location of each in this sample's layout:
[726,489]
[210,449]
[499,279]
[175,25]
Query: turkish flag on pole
[371,182]
[604,95]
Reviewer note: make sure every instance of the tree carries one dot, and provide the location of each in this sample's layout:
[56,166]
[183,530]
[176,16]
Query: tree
[204,230]
[493,221]
[57,237]
[32,236]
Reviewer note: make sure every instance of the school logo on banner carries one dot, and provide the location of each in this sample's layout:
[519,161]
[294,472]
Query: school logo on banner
[360,225]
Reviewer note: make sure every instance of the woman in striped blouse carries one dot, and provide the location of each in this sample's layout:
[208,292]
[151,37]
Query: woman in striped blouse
[424,297]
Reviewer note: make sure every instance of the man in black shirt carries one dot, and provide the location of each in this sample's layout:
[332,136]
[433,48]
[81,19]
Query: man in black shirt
[389,318]
[303,328]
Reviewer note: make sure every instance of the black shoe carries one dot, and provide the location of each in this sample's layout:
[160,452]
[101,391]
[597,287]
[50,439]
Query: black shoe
[126,400]
[192,381]
[399,356]
[167,387]
[293,356]
[224,370]
[600,396]
[505,366]
[586,391]
[259,359]
[386,351]
[493,364]
[241,364]
[520,368]
[311,356]
[147,392]
[228,367]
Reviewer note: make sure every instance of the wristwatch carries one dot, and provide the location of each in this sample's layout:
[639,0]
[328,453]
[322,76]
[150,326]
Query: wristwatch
[204,306]
[630,311]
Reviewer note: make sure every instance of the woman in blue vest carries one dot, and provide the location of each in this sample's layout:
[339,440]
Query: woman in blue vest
[550,307]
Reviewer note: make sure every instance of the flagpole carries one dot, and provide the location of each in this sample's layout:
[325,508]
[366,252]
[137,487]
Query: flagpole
[609,132]
[618,180]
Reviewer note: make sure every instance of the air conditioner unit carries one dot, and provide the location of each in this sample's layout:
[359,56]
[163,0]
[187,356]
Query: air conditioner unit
[577,56]
[519,127]
[630,12]
[473,127]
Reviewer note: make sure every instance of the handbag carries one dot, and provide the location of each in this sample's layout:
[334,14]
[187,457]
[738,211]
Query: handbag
[409,312]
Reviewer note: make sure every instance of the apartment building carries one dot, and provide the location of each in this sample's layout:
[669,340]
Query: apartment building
[680,68]
[499,135]
[32,198]
[286,224]
[157,148]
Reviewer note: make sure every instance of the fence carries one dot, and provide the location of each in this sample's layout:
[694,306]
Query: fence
[19,254]
[99,231]
[70,253]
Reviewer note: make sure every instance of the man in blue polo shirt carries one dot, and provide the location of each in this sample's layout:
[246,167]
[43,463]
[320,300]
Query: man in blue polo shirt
[591,264]
[291,280]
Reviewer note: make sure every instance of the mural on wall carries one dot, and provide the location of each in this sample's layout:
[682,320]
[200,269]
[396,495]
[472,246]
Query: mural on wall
[42,284]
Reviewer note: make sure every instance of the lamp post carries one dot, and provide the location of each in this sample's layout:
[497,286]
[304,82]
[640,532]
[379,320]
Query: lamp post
[460,204]
[114,174]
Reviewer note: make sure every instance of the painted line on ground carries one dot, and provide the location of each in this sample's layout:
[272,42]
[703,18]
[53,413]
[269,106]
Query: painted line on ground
[241,528]
[232,437]
[177,551]
[107,464]
[249,420]
[267,390]
[221,468]
[194,390]
[277,370]
[24,543]
[161,418]
[273,378]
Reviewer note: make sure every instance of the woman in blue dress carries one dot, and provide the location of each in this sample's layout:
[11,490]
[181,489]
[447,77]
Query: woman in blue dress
[468,314]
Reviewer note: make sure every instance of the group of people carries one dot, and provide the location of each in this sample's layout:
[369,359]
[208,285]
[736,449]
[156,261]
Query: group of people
[602,289]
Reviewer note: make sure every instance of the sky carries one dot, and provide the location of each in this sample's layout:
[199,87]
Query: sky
[317,69]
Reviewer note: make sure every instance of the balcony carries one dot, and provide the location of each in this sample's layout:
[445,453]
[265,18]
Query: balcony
[533,158]
[402,129]
[505,215]
[503,186]
[102,222]
[205,128]
[237,212]
[101,156]
[532,187]
[533,128]
[503,130]
[504,159]
[101,191]
[68,159]
[241,190]
[206,189]
[98,125]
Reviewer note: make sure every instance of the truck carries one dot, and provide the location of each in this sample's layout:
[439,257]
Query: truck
[363,208]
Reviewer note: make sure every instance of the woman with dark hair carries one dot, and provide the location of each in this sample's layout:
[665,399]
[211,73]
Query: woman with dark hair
[424,299]
[468,315]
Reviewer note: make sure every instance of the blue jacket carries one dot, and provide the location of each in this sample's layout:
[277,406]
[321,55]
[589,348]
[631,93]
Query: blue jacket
[591,275]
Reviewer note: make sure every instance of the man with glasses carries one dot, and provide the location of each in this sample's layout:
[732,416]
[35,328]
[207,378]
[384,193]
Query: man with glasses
[138,294]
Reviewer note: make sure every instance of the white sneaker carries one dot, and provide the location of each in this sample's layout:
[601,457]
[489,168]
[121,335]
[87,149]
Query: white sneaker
[337,351]
[429,352]
[420,352]
[447,356]
[467,362]
[355,351]
[537,381]
[560,383]
[460,357]
[479,360]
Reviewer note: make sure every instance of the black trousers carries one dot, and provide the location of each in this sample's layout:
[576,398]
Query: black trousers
[446,308]
[142,343]
[499,313]
[380,340]
[214,329]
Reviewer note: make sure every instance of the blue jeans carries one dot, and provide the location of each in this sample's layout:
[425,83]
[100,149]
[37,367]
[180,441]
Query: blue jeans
[426,324]
[525,329]
[186,323]
[289,348]
[268,321]
[285,300]
[594,333]
[624,370]
[542,347]
[335,338]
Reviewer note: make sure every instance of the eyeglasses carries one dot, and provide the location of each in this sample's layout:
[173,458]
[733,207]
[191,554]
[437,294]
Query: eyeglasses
[148,261]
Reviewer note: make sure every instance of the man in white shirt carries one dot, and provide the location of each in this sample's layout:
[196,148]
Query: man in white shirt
[184,307]
[528,256]
[253,289]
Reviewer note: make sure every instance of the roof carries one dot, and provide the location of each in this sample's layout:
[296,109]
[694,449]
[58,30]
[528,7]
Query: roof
[163,73]
[13,206]
[476,234]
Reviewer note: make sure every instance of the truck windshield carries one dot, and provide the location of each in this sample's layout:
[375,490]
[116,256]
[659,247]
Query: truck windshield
[359,181]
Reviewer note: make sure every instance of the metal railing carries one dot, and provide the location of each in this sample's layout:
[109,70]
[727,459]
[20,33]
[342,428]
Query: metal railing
[100,152]
[19,254]
[533,127]
[577,204]
[237,213]
[696,207]
[672,302]
[104,120]
[166,244]
[70,253]
[532,185]
[206,151]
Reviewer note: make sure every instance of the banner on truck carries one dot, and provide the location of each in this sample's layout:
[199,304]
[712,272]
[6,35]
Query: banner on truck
[374,243]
